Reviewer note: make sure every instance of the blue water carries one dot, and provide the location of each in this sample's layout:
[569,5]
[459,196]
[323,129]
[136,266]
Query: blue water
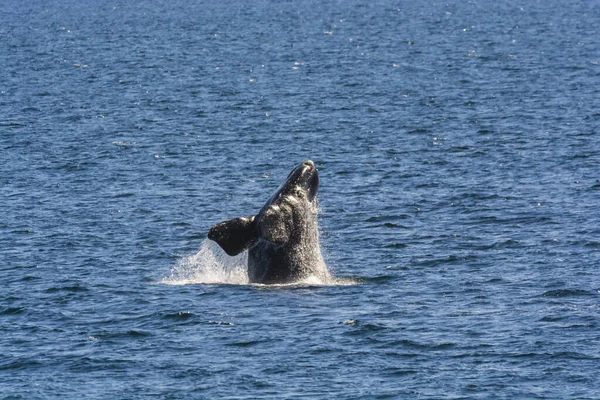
[459,150]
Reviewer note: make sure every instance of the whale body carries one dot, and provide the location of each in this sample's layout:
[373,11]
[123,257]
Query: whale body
[282,239]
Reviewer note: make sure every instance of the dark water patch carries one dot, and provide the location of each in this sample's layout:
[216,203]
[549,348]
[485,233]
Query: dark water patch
[70,289]
[579,327]
[567,293]
[376,279]
[18,267]
[132,334]
[533,356]
[399,372]
[572,355]
[92,364]
[418,131]
[181,224]
[29,278]
[180,316]
[395,246]
[398,353]
[31,110]
[250,343]
[447,260]
[552,318]
[501,244]
[12,125]
[363,327]
[410,344]
[23,231]
[323,350]
[428,185]
[19,365]
[500,220]
[394,226]
[387,218]
[13,311]
[123,195]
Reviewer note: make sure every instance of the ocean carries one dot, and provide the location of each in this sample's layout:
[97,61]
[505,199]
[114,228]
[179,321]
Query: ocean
[458,146]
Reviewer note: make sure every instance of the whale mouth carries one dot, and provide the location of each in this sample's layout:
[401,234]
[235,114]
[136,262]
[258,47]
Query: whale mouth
[313,185]
[308,178]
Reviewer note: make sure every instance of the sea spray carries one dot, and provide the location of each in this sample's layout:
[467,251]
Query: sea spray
[210,265]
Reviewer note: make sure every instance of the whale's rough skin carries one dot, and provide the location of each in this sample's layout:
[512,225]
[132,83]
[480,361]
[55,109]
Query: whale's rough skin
[283,238]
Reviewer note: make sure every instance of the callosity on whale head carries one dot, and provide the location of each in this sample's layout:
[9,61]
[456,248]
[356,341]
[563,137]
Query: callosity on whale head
[282,239]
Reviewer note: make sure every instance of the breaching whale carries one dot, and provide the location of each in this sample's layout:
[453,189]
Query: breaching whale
[282,240]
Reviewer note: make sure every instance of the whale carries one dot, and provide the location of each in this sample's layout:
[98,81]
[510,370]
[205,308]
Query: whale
[282,239]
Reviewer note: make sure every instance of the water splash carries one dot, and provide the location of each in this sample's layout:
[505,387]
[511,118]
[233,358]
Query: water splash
[210,265]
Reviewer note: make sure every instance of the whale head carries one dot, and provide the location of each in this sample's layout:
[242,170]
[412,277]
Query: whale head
[302,181]
[288,218]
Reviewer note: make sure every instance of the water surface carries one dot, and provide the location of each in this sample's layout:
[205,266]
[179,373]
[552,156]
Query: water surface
[458,149]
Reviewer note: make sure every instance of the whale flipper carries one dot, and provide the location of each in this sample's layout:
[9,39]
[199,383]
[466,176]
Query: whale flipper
[234,235]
